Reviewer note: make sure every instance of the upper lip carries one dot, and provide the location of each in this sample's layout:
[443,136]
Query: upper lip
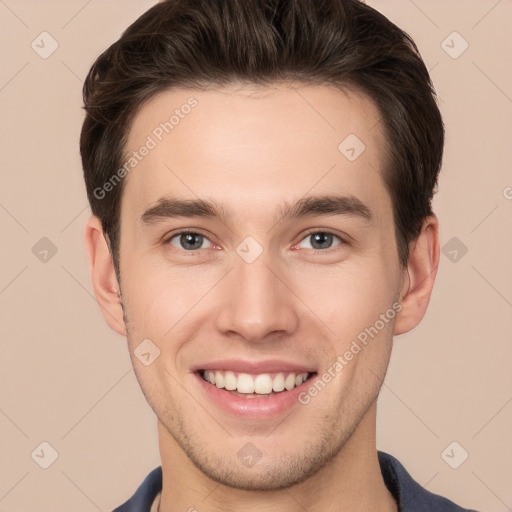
[255,367]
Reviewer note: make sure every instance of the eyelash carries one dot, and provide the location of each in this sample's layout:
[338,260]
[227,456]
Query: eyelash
[308,234]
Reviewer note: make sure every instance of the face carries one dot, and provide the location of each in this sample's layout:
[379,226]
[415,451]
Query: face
[287,264]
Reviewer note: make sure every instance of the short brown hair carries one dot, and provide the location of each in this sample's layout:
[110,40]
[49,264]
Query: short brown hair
[205,43]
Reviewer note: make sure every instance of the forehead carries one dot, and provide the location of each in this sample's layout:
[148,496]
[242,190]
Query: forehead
[250,147]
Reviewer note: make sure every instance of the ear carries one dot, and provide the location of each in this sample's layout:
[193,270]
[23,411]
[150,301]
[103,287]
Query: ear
[104,280]
[419,276]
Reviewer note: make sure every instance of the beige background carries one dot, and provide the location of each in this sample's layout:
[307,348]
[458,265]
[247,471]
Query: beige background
[66,378]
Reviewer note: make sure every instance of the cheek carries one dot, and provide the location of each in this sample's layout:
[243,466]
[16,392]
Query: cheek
[147,300]
[162,302]
[349,298]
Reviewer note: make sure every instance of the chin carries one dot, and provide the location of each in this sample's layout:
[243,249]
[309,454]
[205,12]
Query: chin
[260,464]
[271,476]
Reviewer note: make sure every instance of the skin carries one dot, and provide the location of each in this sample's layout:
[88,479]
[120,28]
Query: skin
[252,149]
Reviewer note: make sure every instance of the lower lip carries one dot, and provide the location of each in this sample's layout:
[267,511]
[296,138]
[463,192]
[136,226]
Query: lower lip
[264,407]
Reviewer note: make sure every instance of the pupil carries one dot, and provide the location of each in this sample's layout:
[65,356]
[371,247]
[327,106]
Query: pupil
[188,238]
[321,238]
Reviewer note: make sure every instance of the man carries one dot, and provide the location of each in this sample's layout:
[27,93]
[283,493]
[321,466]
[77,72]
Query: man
[260,174]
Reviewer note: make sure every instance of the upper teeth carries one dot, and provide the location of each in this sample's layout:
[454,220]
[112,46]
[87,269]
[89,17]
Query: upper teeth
[262,384]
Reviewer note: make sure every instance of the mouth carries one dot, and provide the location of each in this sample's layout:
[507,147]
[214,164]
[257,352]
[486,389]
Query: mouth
[253,391]
[262,385]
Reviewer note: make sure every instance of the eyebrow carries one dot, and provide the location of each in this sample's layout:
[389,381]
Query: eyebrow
[308,206]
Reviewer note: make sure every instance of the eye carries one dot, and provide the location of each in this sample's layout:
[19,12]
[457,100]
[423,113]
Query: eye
[321,240]
[188,240]
[191,241]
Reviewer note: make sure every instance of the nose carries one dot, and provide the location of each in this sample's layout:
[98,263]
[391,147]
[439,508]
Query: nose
[258,303]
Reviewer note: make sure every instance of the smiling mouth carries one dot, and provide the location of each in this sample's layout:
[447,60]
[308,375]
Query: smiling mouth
[263,385]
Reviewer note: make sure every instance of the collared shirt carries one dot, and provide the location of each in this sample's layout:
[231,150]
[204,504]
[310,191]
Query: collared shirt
[409,495]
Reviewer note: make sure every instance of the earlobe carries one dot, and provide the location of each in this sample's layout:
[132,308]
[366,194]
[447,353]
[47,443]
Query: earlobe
[419,277]
[104,280]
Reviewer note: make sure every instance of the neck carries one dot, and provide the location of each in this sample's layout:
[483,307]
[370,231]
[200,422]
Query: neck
[351,481]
